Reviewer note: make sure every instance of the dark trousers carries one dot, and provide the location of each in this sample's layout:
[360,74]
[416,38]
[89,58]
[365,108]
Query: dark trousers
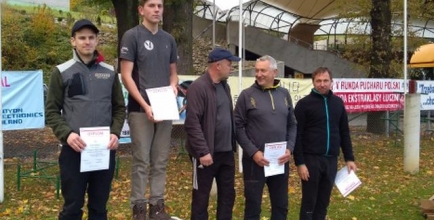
[316,192]
[223,170]
[254,182]
[74,185]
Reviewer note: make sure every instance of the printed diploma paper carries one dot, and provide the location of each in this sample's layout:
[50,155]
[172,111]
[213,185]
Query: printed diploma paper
[163,103]
[272,152]
[346,182]
[96,155]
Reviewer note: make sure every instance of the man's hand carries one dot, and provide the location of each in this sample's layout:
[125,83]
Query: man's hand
[285,158]
[75,142]
[259,159]
[114,142]
[303,172]
[351,166]
[206,160]
[175,89]
[150,114]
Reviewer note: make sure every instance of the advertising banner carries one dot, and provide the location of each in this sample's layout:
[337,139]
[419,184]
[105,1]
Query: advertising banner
[298,88]
[368,95]
[358,94]
[426,89]
[23,100]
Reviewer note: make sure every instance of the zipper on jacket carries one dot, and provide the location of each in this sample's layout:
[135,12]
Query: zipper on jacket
[328,125]
[272,100]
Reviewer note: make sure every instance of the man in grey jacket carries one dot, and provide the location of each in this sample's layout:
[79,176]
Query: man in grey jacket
[84,92]
[264,114]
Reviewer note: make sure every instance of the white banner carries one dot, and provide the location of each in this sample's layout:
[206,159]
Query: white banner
[298,88]
[23,100]
[426,89]
[367,85]
[368,95]
[358,94]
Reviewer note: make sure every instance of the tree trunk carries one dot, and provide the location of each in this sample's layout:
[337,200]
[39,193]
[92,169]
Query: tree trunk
[126,17]
[178,21]
[381,18]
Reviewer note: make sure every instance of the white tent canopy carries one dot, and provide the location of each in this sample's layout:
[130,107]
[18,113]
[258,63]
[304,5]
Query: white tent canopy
[282,15]
[312,9]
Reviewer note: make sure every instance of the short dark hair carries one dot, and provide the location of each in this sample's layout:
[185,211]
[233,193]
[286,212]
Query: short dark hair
[321,70]
[143,2]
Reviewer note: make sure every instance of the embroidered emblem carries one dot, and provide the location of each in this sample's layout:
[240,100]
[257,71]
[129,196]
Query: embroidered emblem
[253,102]
[102,75]
[149,45]
[124,50]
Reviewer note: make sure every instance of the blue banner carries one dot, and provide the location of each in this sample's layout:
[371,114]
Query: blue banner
[23,100]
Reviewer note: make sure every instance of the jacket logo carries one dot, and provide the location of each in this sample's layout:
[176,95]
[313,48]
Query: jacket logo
[286,102]
[253,102]
[149,45]
[102,75]
[124,50]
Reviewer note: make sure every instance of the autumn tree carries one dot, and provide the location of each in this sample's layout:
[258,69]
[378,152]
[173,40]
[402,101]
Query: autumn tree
[178,20]
[380,54]
[34,41]
[381,49]
[126,17]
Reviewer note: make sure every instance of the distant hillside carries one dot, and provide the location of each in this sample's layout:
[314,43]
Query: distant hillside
[57,4]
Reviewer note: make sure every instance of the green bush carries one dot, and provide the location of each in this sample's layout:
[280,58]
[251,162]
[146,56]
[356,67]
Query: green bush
[33,40]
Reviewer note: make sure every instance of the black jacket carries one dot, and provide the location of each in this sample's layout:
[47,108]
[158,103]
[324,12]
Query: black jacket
[322,127]
[201,116]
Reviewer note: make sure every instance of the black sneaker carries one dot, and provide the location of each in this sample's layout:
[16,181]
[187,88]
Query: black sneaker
[139,211]
[157,212]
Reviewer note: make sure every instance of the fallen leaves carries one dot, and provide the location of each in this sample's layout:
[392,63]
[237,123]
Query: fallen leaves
[380,167]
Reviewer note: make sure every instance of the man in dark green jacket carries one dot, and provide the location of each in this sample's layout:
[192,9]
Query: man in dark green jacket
[84,92]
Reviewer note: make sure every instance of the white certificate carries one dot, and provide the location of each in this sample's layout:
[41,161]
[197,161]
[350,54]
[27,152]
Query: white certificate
[163,103]
[346,182]
[272,152]
[96,155]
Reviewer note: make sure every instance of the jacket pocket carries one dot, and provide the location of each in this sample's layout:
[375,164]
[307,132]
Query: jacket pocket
[76,86]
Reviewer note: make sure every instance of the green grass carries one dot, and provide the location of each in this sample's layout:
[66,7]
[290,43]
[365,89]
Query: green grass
[387,192]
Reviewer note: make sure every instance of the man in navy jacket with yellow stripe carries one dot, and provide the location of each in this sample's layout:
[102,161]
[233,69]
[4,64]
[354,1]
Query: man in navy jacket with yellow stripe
[322,128]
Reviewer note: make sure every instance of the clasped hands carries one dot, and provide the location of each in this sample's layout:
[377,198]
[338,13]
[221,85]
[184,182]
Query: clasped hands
[76,143]
[259,158]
